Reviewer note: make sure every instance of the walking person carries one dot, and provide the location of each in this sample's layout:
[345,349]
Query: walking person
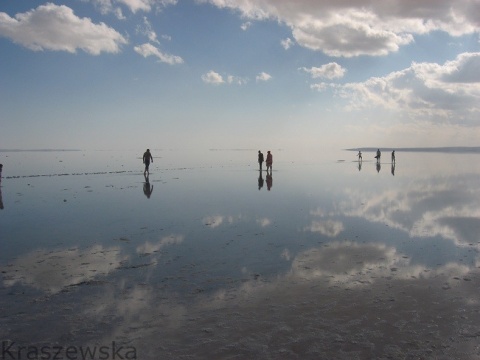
[147,157]
[379,154]
[269,161]
[359,156]
[260,159]
[393,157]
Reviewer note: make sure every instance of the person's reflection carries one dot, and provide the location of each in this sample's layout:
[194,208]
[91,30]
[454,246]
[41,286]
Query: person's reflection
[269,180]
[393,169]
[260,180]
[147,188]
[359,165]
[378,167]
[1,200]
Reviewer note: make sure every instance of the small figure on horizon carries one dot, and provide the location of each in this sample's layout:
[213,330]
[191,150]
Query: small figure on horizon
[359,156]
[393,157]
[1,168]
[269,161]
[147,157]
[379,154]
[147,188]
[260,159]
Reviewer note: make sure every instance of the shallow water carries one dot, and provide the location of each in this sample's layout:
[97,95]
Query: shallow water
[336,260]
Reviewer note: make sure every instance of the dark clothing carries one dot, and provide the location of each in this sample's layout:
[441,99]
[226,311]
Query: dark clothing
[260,159]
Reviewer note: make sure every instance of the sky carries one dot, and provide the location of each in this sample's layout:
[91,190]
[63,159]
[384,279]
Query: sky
[239,74]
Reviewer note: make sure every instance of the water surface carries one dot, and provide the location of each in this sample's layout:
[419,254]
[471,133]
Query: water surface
[209,258]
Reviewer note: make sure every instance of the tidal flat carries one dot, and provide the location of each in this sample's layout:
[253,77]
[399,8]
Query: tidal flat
[209,258]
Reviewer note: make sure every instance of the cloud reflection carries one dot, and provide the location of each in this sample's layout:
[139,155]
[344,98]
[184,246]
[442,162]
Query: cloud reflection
[446,207]
[54,270]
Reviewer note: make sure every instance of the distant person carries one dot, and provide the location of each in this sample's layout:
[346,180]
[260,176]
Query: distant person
[379,154]
[269,161]
[1,168]
[393,157]
[147,188]
[260,159]
[359,156]
[260,180]
[147,157]
[269,181]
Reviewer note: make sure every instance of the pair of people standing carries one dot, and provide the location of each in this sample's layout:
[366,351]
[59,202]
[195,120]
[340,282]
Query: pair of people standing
[268,162]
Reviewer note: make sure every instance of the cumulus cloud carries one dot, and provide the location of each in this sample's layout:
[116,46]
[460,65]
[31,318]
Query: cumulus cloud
[147,50]
[57,28]
[213,77]
[263,76]
[363,27]
[327,71]
[429,91]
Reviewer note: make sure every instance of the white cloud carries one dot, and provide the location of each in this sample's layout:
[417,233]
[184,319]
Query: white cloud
[52,27]
[212,77]
[246,25]
[428,91]
[263,76]
[215,78]
[287,43]
[360,27]
[149,50]
[148,31]
[236,80]
[146,5]
[327,71]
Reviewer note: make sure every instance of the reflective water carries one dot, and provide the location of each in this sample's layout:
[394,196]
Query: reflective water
[210,258]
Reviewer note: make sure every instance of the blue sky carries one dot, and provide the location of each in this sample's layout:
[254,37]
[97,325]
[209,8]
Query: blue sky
[128,74]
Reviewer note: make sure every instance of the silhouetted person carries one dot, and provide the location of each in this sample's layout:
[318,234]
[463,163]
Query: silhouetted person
[379,154]
[269,161]
[260,180]
[260,159]
[393,157]
[359,156]
[269,181]
[147,188]
[1,168]
[147,157]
